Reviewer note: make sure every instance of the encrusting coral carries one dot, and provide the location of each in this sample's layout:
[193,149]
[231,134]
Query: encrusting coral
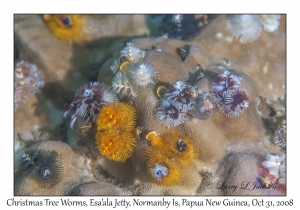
[210,145]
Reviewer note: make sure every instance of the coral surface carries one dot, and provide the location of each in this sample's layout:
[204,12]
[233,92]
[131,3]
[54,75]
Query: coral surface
[189,114]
